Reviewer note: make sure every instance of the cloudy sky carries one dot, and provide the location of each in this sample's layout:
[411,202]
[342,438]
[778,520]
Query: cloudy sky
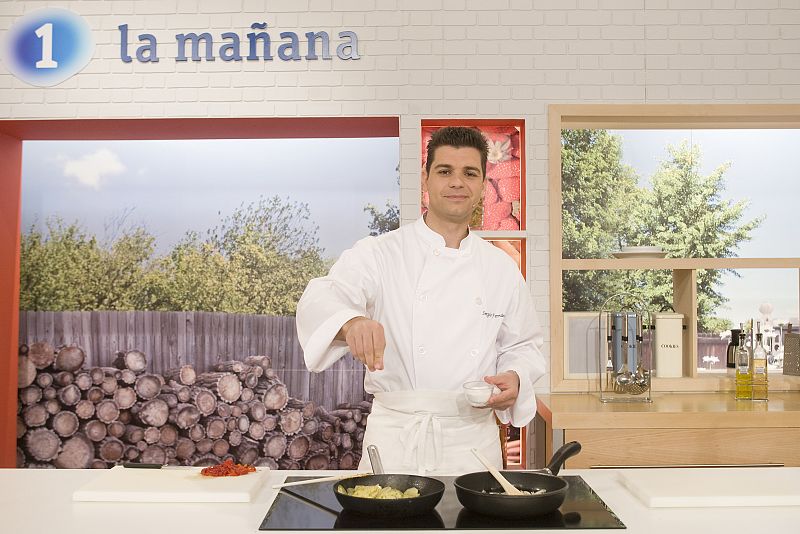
[175,186]
[764,171]
[171,187]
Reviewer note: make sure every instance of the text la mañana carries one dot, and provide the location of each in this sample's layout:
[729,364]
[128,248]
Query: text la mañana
[258,46]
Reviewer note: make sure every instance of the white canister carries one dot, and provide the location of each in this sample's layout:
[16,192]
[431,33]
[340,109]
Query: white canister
[669,345]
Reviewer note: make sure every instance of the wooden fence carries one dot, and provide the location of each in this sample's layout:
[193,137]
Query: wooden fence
[171,339]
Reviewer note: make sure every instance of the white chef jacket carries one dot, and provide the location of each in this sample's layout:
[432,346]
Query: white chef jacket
[449,315]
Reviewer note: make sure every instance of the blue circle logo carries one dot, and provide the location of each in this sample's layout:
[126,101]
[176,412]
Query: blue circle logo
[47,46]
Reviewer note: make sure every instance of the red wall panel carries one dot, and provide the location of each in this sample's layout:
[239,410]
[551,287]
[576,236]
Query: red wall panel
[10,171]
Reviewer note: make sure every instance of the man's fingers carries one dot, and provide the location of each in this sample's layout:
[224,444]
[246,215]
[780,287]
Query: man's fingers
[369,351]
[503,381]
[500,404]
[500,397]
[356,345]
[379,344]
[509,390]
[499,381]
[367,343]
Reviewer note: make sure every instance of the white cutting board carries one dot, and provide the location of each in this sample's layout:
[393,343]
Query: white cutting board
[714,487]
[182,484]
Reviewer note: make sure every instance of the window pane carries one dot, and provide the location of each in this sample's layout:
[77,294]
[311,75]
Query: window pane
[695,193]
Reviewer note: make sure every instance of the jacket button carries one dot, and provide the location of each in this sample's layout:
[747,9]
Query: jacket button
[478,301]
[421,349]
[423,297]
[474,352]
[436,252]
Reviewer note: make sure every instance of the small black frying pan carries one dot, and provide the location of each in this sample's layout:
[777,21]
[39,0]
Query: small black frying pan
[481,493]
[430,493]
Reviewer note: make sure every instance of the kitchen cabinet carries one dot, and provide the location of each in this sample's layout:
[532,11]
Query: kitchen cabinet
[675,429]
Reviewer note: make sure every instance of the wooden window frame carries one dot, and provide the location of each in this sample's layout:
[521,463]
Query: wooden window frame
[640,117]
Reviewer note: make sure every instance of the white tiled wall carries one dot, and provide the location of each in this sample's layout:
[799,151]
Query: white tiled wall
[433,58]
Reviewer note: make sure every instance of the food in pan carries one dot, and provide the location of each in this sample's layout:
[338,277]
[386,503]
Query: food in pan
[378,492]
[537,491]
[227,469]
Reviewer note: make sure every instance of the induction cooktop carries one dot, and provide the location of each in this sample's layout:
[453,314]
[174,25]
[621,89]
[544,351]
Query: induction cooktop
[314,507]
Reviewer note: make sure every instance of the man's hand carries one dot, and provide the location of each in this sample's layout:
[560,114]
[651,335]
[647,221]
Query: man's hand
[508,383]
[366,341]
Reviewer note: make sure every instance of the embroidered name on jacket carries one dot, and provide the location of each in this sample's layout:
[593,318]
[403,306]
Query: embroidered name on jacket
[491,315]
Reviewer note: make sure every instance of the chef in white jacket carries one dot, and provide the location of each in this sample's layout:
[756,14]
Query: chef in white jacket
[427,308]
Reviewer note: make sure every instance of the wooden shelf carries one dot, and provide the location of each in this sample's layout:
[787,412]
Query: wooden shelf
[692,383]
[678,410]
[678,263]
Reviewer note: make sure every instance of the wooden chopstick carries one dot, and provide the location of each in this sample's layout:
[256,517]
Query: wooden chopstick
[323,479]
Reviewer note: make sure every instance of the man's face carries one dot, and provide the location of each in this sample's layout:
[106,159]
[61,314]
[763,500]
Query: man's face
[454,183]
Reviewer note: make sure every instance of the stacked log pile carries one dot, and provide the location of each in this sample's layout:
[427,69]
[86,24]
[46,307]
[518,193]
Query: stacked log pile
[70,416]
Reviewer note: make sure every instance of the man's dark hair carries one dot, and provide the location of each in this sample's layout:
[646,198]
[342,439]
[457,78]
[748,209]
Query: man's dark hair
[458,137]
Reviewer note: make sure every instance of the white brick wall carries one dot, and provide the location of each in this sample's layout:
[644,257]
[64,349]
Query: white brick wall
[432,58]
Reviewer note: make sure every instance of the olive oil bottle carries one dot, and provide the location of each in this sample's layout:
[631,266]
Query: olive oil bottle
[744,380]
[758,368]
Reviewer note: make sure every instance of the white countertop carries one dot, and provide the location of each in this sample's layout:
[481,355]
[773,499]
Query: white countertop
[40,500]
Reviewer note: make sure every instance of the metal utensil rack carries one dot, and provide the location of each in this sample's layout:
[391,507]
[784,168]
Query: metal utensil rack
[630,381]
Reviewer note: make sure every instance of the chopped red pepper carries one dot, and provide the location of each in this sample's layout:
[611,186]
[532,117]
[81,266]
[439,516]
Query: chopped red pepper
[227,469]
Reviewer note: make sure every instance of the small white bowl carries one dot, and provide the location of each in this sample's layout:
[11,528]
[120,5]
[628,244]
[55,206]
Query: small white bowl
[478,393]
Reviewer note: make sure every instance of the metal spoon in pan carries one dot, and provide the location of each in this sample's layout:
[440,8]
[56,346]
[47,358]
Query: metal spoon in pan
[375,459]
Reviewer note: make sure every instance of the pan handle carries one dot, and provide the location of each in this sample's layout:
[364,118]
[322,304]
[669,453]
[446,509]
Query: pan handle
[566,451]
[375,459]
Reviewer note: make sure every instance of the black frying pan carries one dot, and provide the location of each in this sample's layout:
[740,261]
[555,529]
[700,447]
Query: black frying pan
[481,493]
[430,493]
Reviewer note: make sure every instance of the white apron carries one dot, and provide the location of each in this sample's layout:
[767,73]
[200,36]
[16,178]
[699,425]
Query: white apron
[430,433]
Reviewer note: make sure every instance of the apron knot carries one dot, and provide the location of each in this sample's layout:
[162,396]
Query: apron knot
[414,439]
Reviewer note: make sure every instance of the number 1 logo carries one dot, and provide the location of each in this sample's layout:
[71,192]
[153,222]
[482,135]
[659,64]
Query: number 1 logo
[47,46]
[45,31]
